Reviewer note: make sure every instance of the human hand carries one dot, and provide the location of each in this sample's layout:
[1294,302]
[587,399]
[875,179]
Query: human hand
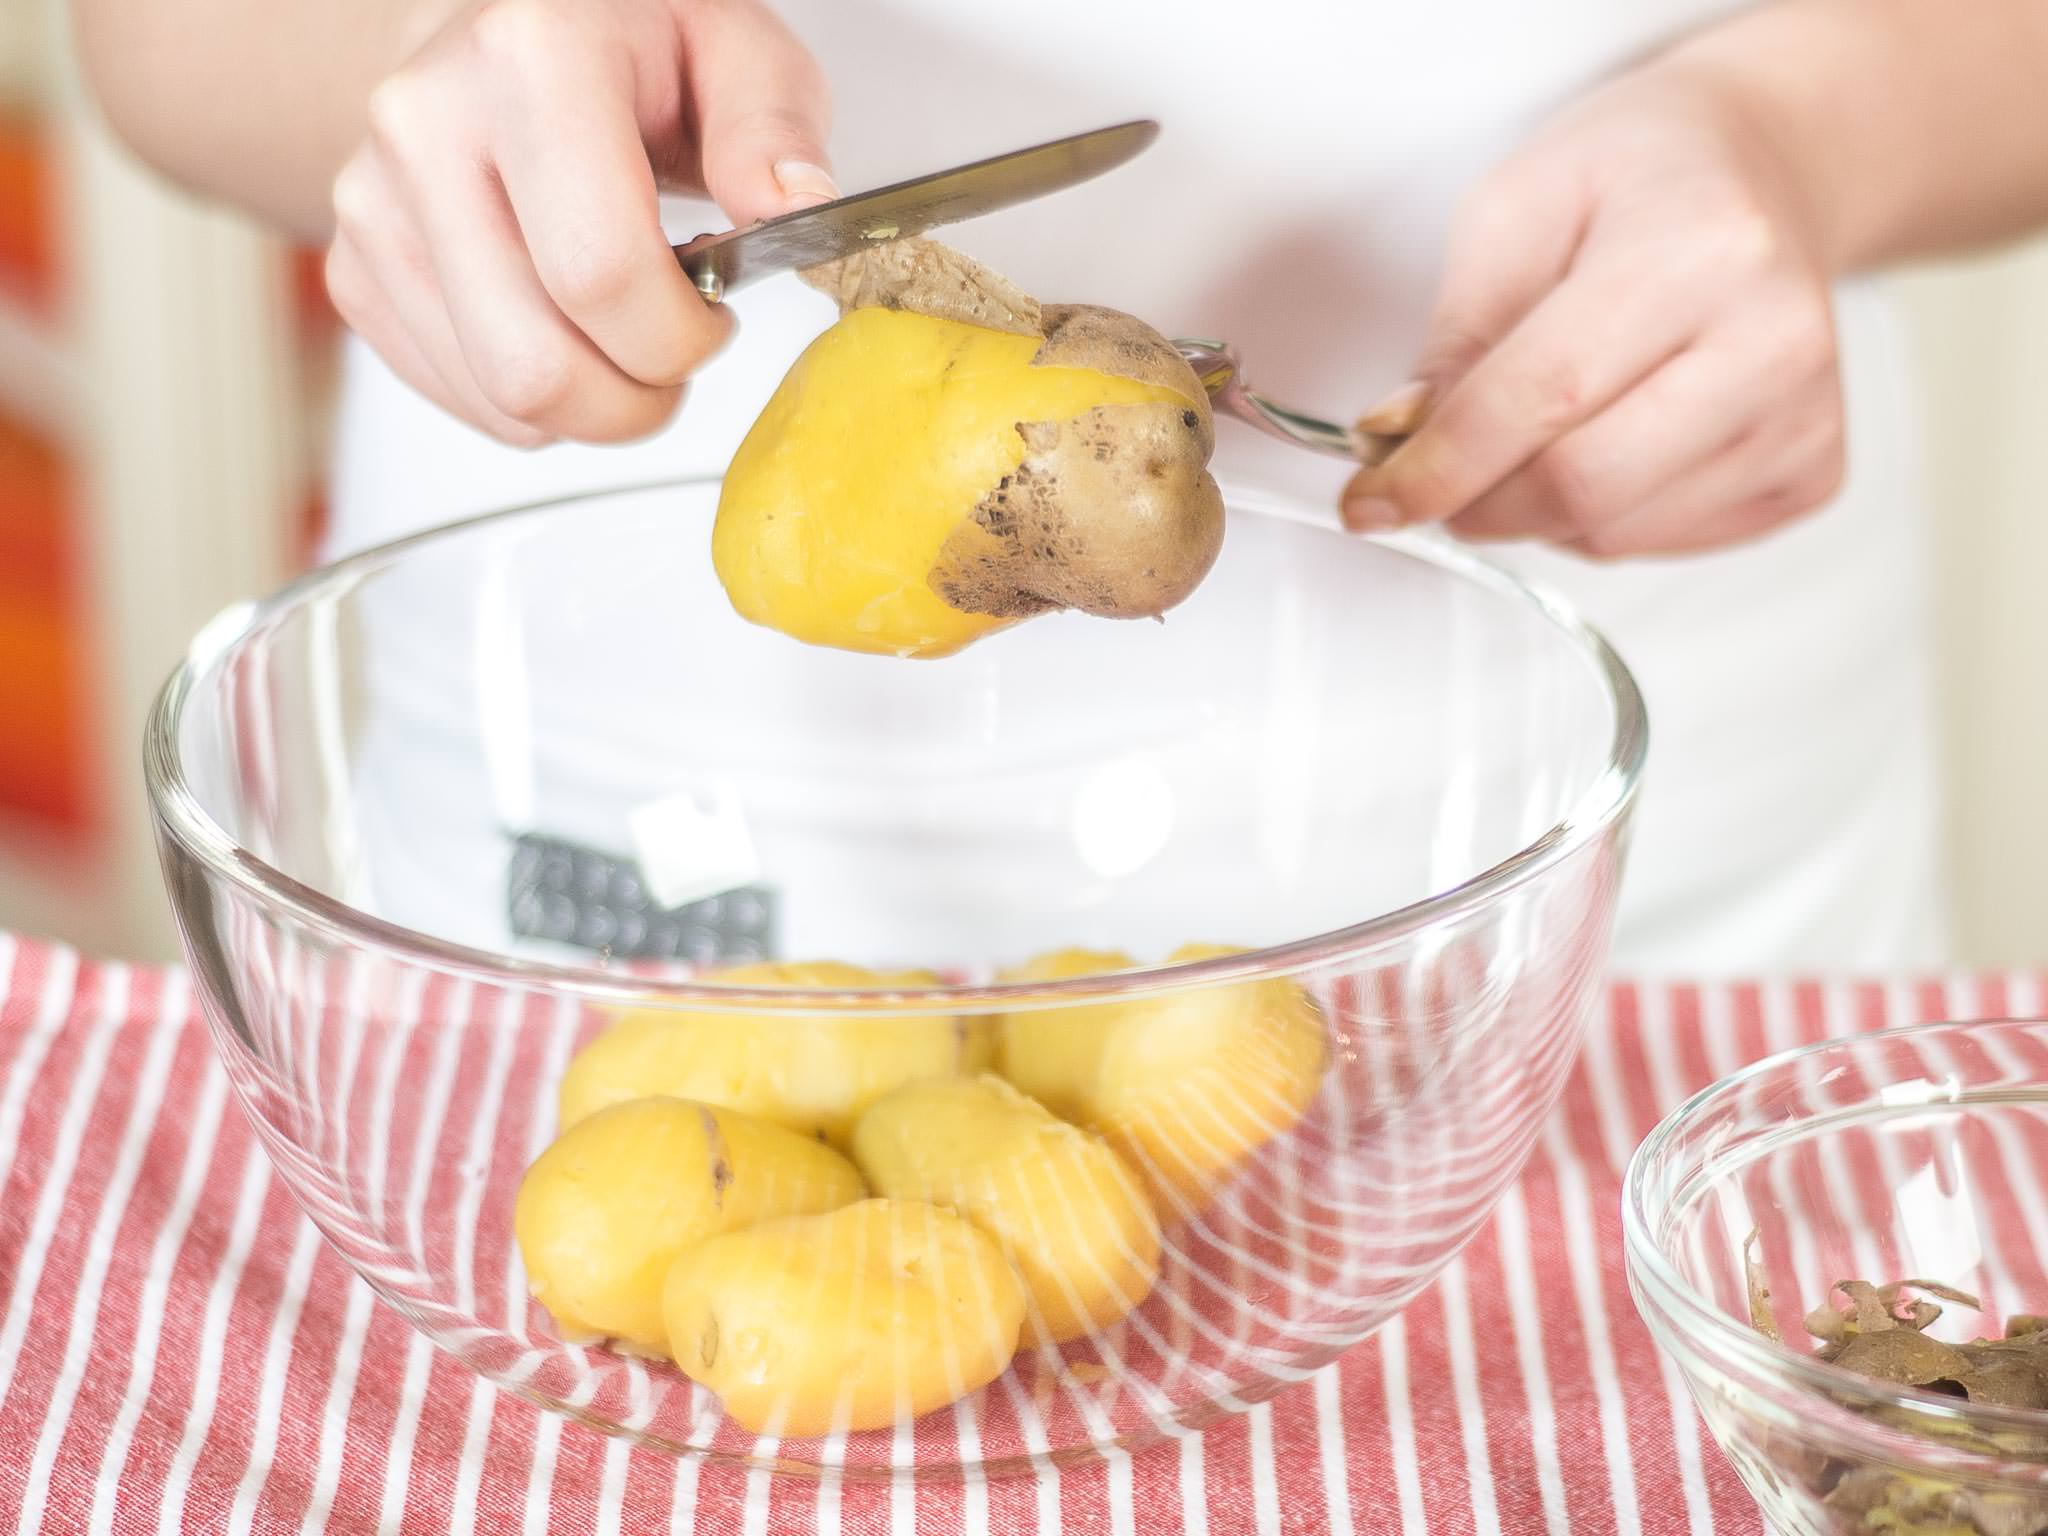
[497,236]
[1633,348]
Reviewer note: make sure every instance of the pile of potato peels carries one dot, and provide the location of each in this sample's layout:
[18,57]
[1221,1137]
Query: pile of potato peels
[1880,1332]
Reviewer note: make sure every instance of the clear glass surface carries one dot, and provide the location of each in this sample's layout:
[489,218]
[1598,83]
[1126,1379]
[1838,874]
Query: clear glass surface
[1385,771]
[1915,1153]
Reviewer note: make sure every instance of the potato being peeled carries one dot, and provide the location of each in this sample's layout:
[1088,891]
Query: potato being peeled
[813,1075]
[952,457]
[603,1213]
[879,1312]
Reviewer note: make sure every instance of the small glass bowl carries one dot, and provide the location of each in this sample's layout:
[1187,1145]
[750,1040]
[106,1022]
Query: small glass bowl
[432,815]
[1918,1153]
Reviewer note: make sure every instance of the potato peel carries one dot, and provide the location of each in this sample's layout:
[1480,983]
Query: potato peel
[1878,1332]
[931,279]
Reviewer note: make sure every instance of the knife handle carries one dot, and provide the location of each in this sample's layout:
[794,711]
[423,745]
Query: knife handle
[700,262]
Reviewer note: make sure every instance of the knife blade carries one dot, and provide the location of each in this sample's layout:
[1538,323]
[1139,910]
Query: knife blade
[719,263]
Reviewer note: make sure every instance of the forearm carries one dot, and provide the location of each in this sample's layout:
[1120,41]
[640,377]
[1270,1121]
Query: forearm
[257,102]
[1914,126]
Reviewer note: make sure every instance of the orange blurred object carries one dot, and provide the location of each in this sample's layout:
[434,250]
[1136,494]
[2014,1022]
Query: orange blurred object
[44,764]
[28,260]
[319,332]
[316,318]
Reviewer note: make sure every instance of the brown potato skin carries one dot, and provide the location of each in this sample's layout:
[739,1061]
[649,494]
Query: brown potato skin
[1112,512]
[1110,341]
[932,279]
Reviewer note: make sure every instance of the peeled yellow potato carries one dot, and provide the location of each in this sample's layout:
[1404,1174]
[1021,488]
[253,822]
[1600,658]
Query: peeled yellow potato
[603,1213]
[875,1313]
[810,1074]
[1055,1054]
[1067,1212]
[977,1045]
[1194,1082]
[952,457]
[1185,1085]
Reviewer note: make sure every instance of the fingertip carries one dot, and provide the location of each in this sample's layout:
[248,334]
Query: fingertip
[707,332]
[804,183]
[1374,514]
[645,415]
[719,324]
[763,111]
[753,182]
[1366,507]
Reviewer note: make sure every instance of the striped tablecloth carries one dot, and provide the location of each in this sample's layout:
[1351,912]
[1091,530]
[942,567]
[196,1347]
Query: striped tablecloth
[180,1351]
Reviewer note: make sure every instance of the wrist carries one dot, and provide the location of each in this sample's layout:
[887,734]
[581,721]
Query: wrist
[412,24]
[1794,83]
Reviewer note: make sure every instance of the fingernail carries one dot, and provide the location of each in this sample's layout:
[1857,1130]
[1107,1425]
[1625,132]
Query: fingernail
[804,184]
[1400,412]
[1371,514]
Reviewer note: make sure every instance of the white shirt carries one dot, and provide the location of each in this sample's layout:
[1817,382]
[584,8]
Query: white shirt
[1296,203]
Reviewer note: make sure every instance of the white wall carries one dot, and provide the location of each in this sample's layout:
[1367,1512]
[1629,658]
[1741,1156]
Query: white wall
[1982,334]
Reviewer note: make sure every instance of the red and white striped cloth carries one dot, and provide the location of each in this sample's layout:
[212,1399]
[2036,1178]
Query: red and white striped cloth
[180,1351]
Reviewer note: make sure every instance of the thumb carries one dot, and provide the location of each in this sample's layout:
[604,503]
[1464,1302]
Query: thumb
[1511,242]
[762,109]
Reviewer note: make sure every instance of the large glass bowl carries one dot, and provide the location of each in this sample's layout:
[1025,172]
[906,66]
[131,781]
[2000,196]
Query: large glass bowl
[1914,1153]
[430,816]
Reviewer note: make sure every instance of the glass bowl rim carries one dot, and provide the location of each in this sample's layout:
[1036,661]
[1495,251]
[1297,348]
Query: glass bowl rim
[1602,803]
[1716,1335]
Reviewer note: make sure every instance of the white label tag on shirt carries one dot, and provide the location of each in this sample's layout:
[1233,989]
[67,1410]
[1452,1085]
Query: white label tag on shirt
[693,844]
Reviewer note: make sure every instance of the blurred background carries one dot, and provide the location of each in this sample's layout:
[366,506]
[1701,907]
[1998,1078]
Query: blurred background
[164,382]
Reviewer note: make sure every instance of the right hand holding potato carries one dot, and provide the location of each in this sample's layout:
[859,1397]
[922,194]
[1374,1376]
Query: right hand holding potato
[497,235]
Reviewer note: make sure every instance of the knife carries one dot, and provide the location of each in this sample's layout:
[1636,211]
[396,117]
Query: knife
[718,264]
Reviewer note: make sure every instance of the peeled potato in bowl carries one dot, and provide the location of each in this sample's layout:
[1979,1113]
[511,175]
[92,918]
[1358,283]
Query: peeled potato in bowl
[1055,1054]
[1068,1213]
[1185,1085]
[812,1075]
[870,1315]
[605,1210]
[953,456]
